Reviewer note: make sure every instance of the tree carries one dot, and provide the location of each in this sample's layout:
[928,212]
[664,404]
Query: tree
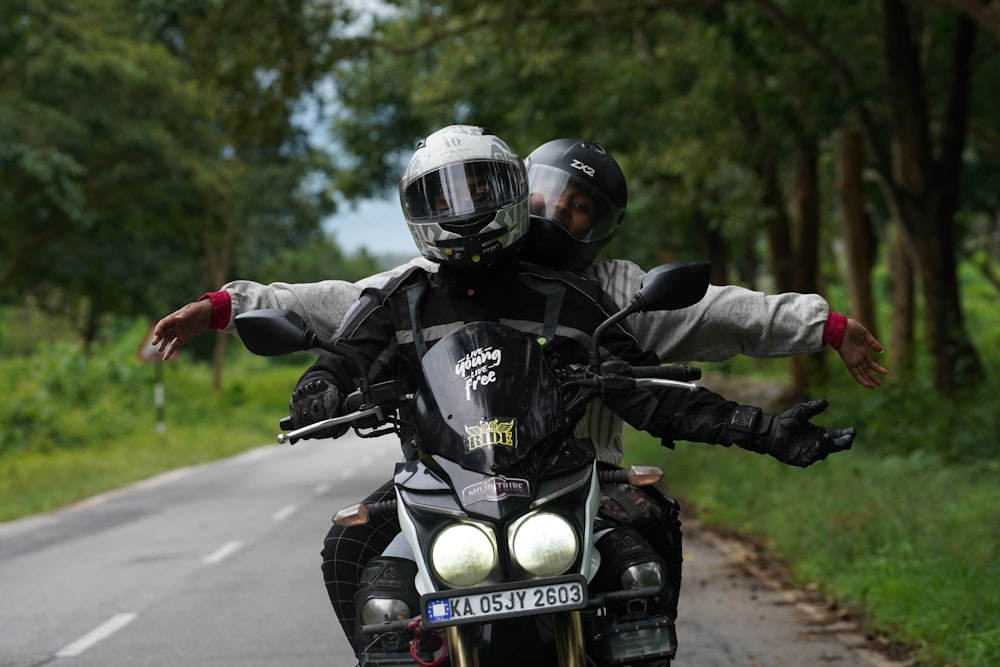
[691,112]
[101,152]
[921,170]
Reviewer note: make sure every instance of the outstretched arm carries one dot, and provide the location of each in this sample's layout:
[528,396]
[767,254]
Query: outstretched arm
[732,320]
[704,416]
[321,305]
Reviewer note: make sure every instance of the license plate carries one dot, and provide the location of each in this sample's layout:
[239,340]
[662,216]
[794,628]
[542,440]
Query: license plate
[475,605]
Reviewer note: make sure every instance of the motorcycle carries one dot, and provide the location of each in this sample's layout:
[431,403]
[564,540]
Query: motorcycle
[498,503]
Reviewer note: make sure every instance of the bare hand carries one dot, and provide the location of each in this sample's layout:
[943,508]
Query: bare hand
[181,326]
[856,350]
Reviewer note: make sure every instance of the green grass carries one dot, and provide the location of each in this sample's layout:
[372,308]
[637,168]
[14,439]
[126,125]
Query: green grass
[35,482]
[72,426]
[905,527]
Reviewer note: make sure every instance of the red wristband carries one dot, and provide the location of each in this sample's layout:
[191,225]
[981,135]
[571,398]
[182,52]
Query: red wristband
[833,332]
[222,308]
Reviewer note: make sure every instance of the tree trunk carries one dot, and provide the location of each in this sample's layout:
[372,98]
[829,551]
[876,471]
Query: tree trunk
[855,227]
[901,287]
[925,192]
[779,234]
[714,244]
[810,370]
[219,251]
[781,252]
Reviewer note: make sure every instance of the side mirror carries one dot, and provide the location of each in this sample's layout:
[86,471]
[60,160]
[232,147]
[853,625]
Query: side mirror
[673,286]
[273,332]
[668,287]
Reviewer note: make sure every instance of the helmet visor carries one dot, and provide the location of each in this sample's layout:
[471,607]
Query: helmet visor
[574,204]
[465,189]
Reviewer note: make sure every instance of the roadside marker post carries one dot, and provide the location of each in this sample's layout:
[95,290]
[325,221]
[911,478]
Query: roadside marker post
[148,352]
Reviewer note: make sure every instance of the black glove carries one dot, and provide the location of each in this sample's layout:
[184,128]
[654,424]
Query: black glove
[315,401]
[788,437]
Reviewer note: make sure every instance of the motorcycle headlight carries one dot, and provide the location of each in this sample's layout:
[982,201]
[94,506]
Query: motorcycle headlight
[544,544]
[380,610]
[463,554]
[642,575]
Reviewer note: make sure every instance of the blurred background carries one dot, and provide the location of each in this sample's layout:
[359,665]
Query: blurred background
[151,150]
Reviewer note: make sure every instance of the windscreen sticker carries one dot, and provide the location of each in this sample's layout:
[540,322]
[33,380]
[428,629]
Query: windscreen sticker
[490,434]
[494,489]
[477,368]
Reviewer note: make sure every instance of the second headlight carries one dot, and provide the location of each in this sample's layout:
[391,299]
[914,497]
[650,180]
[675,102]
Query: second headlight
[544,544]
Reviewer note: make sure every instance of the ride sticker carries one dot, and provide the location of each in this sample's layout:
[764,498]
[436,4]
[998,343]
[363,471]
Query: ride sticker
[490,434]
[494,489]
[477,368]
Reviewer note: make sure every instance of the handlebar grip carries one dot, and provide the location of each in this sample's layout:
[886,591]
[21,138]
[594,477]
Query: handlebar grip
[285,439]
[678,372]
[286,423]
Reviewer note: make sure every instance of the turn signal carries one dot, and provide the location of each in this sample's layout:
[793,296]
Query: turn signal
[644,475]
[355,515]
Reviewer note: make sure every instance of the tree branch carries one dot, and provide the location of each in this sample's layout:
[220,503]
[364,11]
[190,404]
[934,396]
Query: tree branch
[842,74]
[985,13]
[505,17]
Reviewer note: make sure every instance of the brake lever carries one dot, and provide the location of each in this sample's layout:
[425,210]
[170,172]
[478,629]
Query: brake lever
[292,437]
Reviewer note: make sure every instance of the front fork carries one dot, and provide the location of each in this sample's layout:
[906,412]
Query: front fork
[567,628]
[463,645]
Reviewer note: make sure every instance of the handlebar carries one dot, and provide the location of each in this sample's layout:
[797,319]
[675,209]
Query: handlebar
[292,437]
[678,372]
[615,376]
[618,375]
[657,382]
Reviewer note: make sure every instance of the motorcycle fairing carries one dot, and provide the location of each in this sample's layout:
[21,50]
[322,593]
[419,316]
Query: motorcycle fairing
[487,399]
[502,492]
[573,494]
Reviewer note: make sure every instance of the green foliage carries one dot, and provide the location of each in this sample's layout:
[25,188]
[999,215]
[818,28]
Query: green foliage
[101,129]
[59,398]
[73,425]
[908,540]
[903,528]
[154,140]
[316,262]
[894,423]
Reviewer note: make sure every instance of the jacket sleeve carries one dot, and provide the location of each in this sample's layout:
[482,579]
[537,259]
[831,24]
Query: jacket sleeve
[678,414]
[368,332]
[322,304]
[729,320]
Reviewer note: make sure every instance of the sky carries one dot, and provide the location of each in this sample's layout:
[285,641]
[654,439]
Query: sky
[375,224]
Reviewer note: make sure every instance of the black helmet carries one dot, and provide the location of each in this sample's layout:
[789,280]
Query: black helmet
[577,201]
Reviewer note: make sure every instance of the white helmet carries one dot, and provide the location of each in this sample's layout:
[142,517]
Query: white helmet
[465,196]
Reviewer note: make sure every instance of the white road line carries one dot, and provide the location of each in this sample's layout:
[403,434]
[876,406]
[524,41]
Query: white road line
[284,512]
[102,631]
[226,550]
[346,473]
[321,489]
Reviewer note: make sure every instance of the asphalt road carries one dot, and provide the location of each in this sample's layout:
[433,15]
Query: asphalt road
[219,565]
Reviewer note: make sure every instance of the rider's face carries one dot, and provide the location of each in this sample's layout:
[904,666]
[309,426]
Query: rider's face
[572,209]
[478,189]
